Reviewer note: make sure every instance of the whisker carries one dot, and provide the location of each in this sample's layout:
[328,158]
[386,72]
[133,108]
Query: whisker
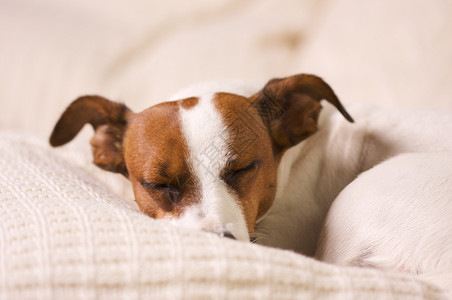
[260,233]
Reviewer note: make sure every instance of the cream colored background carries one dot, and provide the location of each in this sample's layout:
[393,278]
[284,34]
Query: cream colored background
[391,53]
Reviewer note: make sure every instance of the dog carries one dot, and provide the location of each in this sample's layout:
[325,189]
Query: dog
[395,216]
[252,163]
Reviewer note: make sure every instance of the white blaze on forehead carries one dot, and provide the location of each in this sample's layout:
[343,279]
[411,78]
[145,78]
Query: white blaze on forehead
[206,137]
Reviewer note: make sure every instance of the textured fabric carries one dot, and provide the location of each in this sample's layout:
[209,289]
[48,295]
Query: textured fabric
[63,235]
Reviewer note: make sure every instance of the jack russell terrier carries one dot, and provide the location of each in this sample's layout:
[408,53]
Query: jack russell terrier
[244,164]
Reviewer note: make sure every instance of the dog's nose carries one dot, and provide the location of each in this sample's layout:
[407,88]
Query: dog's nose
[227,234]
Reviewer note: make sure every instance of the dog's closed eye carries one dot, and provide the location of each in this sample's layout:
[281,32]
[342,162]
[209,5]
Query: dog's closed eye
[168,192]
[231,176]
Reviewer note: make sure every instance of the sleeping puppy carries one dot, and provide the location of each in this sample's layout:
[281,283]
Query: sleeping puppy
[242,162]
[208,160]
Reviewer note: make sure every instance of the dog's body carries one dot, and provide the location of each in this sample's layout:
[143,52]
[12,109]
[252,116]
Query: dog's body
[313,173]
[396,216]
[244,165]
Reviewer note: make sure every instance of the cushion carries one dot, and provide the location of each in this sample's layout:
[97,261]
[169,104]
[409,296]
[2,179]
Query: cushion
[65,235]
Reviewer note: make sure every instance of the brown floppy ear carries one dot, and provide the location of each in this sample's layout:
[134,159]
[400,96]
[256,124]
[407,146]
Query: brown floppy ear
[109,120]
[290,107]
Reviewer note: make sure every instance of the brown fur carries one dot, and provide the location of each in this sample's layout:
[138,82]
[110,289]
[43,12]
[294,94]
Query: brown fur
[290,107]
[249,142]
[109,120]
[155,152]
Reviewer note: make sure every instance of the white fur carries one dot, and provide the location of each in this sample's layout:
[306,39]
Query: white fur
[206,135]
[396,216]
[235,86]
[314,172]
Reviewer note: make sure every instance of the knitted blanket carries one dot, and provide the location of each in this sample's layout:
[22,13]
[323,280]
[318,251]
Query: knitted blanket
[65,235]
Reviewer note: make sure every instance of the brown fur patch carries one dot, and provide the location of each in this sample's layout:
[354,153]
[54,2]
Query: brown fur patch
[155,154]
[189,103]
[290,107]
[249,143]
[109,120]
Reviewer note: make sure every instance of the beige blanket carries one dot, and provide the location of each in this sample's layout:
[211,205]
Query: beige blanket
[64,235]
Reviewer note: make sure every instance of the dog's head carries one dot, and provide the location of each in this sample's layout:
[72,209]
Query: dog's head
[207,162]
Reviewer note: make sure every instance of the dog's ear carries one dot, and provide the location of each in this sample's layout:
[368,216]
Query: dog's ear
[109,120]
[290,107]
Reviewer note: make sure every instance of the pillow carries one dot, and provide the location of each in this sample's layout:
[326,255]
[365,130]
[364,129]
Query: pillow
[64,235]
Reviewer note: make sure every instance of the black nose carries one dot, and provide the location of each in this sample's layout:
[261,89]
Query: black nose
[228,235]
